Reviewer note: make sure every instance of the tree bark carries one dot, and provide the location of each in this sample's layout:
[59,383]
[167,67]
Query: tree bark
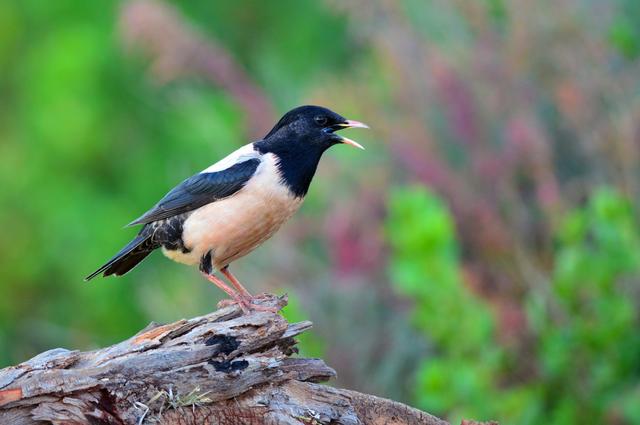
[222,368]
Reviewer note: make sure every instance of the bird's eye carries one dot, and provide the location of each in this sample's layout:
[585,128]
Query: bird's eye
[320,120]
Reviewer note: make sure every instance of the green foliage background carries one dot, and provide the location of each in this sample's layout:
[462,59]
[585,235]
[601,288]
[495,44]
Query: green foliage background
[586,344]
[484,252]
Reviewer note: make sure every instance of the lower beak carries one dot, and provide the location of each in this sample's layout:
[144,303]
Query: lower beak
[352,124]
[350,142]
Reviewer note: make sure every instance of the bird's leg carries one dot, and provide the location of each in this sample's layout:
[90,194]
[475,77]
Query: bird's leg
[237,298]
[246,295]
[206,268]
[236,283]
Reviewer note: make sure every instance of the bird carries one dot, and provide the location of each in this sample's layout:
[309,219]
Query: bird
[230,208]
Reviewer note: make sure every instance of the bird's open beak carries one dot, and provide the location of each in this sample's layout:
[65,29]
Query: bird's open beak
[350,124]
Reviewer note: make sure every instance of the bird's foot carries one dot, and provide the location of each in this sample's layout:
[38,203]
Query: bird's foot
[249,303]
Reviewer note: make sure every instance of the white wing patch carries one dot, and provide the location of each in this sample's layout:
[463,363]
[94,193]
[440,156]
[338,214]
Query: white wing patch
[239,155]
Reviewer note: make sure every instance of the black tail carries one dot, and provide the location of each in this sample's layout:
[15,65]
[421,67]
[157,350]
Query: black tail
[127,258]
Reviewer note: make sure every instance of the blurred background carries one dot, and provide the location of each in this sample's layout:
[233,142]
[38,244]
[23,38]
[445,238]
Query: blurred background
[480,259]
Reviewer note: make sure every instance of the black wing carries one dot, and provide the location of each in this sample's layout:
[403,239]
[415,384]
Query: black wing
[200,190]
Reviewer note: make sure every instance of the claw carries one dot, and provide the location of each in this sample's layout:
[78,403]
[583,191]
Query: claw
[247,305]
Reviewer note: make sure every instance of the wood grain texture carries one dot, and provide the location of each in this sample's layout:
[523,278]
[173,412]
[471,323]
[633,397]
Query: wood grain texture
[222,368]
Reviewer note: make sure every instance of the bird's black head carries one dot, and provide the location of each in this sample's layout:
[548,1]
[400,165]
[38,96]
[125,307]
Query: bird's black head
[300,138]
[312,127]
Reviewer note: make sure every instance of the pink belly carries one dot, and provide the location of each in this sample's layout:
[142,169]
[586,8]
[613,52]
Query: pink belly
[233,227]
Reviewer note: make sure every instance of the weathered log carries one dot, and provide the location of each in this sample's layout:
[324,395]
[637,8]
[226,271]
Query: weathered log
[222,368]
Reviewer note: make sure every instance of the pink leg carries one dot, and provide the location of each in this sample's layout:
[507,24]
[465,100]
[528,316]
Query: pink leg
[236,284]
[237,298]
[246,295]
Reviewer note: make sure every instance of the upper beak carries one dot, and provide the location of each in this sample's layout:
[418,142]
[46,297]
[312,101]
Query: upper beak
[354,124]
[350,124]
